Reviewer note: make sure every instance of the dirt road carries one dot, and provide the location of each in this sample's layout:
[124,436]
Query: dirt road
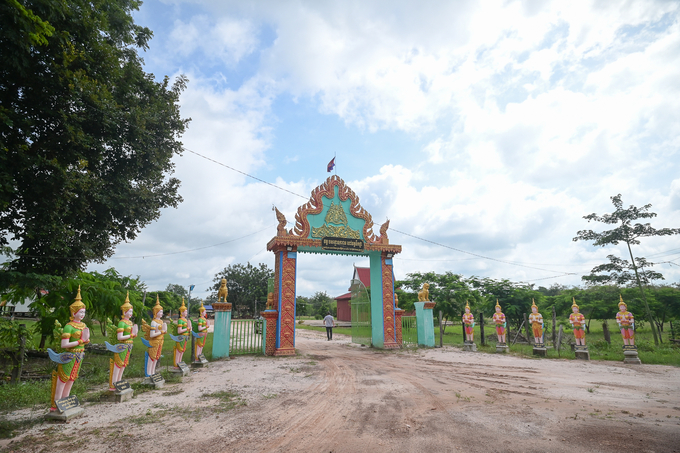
[338,397]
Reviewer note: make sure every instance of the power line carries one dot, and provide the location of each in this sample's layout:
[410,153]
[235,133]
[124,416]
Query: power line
[481,256]
[245,174]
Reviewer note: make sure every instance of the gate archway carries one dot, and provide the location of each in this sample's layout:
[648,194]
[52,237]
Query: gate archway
[332,222]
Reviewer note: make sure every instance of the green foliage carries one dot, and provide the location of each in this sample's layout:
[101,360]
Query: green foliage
[621,271]
[86,136]
[247,287]
[320,304]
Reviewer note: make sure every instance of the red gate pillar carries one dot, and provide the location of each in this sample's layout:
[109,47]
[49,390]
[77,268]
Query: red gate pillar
[270,317]
[284,286]
[398,312]
[389,320]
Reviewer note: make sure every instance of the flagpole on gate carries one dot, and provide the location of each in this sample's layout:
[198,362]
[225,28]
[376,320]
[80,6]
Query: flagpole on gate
[334,167]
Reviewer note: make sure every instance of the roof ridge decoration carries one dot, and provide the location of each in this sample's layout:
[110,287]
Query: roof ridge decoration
[315,206]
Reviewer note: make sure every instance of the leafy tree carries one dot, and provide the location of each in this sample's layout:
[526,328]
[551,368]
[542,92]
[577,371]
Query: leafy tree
[301,303]
[86,136]
[247,287]
[619,270]
[448,291]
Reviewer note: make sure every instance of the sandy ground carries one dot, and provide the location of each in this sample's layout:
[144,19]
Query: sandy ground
[339,397]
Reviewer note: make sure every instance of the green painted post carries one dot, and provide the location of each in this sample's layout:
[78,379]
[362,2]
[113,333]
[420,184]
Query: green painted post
[221,333]
[377,327]
[425,322]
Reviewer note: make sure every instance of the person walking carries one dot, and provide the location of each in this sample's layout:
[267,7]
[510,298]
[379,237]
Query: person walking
[329,322]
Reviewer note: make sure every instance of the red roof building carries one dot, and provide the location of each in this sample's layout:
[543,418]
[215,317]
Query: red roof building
[363,274]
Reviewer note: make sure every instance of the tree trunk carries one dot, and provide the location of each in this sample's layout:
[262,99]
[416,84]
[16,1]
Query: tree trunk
[554,327]
[481,327]
[526,326]
[605,332]
[18,358]
[43,337]
[644,297]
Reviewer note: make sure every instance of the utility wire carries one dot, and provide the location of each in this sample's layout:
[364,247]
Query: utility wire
[481,256]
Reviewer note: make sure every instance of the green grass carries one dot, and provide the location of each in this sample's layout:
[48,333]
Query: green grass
[94,373]
[340,330]
[664,354]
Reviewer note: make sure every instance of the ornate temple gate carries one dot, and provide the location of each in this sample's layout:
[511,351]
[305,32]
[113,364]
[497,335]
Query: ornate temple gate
[331,222]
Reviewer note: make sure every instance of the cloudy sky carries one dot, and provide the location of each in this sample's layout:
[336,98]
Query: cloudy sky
[489,127]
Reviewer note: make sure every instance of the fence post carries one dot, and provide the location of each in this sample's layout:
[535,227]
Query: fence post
[554,330]
[19,361]
[526,328]
[270,317]
[559,342]
[441,330]
[481,327]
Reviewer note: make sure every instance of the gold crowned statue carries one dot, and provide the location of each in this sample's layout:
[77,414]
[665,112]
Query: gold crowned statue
[183,331]
[203,325]
[626,323]
[536,321]
[125,333]
[153,334]
[578,322]
[74,337]
[500,322]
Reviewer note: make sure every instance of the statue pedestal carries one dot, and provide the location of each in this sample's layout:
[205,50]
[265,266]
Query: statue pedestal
[470,347]
[67,409]
[65,416]
[182,369]
[122,393]
[155,380]
[501,348]
[630,355]
[540,350]
[200,362]
[582,353]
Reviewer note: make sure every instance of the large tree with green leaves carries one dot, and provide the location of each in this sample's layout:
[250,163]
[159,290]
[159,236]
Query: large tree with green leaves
[247,285]
[619,270]
[86,136]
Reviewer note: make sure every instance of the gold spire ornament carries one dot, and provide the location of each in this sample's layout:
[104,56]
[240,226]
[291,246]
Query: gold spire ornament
[574,303]
[201,309]
[77,305]
[497,304]
[467,305]
[533,304]
[182,308]
[157,307]
[621,302]
[126,305]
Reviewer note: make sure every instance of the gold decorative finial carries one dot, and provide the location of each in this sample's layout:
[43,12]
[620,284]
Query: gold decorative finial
[574,303]
[497,304]
[77,305]
[157,307]
[182,308]
[201,308]
[621,302]
[126,305]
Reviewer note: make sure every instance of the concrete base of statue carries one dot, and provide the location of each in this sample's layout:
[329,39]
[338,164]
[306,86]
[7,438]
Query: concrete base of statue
[501,348]
[540,350]
[630,355]
[155,380]
[469,347]
[200,362]
[65,416]
[582,353]
[125,395]
[181,369]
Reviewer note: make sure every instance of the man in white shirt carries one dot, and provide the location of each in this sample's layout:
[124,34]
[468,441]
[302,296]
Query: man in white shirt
[329,322]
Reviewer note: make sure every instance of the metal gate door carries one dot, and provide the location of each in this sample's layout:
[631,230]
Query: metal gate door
[246,336]
[409,330]
[361,314]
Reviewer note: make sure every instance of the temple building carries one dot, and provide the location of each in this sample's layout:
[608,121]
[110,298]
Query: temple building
[361,274]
